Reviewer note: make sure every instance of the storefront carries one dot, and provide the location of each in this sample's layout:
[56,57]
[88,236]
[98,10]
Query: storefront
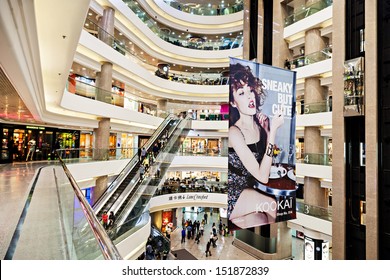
[16,142]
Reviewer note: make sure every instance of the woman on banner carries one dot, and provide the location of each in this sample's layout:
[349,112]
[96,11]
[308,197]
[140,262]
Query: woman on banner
[251,145]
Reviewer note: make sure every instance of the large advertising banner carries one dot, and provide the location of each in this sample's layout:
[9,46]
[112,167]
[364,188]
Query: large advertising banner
[261,174]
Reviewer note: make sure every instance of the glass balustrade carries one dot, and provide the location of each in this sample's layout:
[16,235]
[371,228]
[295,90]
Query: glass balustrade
[85,238]
[306,11]
[264,244]
[318,159]
[198,78]
[202,152]
[190,186]
[313,108]
[98,94]
[176,38]
[314,211]
[206,9]
[310,58]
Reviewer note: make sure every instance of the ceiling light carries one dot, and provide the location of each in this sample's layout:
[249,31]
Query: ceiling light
[120,33]
[90,14]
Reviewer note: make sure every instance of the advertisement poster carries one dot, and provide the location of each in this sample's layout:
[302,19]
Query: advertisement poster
[309,249]
[261,173]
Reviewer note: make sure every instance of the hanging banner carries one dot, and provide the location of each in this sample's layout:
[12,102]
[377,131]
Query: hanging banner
[261,173]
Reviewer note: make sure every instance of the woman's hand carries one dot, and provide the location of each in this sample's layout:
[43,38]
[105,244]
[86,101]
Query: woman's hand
[263,120]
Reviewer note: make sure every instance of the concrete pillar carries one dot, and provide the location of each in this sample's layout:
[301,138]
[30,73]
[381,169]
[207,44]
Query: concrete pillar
[314,42]
[162,108]
[104,83]
[102,135]
[371,101]
[100,187]
[246,29]
[106,22]
[338,130]
[224,145]
[314,144]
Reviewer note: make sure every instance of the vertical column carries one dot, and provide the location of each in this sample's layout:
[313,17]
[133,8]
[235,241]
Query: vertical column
[106,23]
[104,83]
[246,29]
[104,86]
[371,102]
[338,133]
[102,134]
[162,108]
[314,143]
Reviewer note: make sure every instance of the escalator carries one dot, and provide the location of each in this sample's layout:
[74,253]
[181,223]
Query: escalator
[143,191]
[120,188]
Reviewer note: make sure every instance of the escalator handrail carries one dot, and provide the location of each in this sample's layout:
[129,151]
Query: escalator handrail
[139,183]
[107,247]
[99,204]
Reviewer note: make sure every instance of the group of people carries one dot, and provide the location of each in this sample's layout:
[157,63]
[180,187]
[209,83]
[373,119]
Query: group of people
[108,220]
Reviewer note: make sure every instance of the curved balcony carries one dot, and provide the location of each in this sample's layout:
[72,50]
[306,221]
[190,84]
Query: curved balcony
[206,9]
[203,77]
[306,11]
[113,98]
[184,38]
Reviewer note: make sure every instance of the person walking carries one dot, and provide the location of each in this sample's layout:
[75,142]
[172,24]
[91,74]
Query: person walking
[205,218]
[208,249]
[183,235]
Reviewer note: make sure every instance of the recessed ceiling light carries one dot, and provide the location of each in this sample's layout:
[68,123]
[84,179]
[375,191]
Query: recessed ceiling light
[90,14]
[120,33]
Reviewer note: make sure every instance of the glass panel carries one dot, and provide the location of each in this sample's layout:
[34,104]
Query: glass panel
[264,244]
[319,159]
[306,11]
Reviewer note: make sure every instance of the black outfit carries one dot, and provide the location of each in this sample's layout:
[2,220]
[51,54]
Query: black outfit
[238,176]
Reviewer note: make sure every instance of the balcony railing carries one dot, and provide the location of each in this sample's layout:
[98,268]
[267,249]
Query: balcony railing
[203,152]
[206,9]
[310,58]
[313,108]
[307,11]
[318,159]
[98,94]
[199,78]
[314,211]
[176,38]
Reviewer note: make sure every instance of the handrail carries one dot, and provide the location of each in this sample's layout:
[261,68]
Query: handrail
[108,249]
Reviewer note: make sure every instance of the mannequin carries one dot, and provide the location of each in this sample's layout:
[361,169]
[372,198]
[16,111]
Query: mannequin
[31,150]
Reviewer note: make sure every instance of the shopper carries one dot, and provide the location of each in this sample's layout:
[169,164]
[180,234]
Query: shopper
[105,219]
[208,249]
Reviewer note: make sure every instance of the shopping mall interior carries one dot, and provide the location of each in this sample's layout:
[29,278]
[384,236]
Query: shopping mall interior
[122,107]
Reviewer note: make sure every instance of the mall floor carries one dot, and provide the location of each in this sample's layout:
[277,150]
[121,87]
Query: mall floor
[16,181]
[225,250]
